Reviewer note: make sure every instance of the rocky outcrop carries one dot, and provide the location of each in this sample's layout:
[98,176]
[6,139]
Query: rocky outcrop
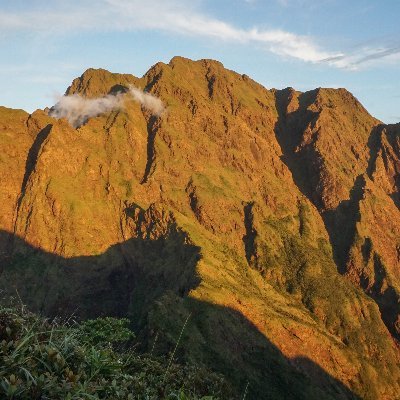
[270,217]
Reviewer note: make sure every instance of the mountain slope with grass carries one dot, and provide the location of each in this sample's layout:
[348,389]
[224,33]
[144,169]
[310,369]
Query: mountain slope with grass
[265,221]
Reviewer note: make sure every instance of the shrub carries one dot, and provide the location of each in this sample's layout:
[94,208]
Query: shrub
[51,360]
[106,331]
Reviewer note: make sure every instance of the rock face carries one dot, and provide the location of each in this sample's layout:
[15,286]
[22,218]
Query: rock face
[269,218]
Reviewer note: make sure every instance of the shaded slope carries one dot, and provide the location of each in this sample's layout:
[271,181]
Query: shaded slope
[343,160]
[254,179]
[252,357]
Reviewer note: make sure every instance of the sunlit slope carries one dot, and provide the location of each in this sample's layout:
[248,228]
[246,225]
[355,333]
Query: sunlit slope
[267,216]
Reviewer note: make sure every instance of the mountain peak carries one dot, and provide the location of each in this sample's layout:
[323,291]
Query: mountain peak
[98,82]
[271,218]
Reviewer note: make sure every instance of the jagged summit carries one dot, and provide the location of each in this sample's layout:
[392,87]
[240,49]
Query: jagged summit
[93,82]
[270,216]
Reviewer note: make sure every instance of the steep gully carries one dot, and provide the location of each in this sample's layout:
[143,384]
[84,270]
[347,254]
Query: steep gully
[129,266]
[30,166]
[340,222]
[124,282]
[152,127]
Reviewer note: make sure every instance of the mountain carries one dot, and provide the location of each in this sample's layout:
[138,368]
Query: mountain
[263,226]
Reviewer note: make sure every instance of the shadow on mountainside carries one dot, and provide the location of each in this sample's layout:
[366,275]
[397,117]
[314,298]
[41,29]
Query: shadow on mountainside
[305,168]
[149,281]
[340,222]
[289,133]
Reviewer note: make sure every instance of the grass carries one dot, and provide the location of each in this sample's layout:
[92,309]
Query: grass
[41,359]
[176,346]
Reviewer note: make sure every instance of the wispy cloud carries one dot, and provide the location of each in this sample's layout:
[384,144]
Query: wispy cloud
[184,18]
[365,56]
[77,109]
[377,54]
[175,16]
[147,100]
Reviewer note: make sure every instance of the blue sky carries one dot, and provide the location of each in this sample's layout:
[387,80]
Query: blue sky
[299,43]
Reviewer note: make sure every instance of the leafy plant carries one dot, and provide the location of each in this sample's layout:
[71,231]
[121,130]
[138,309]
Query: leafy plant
[106,330]
[40,359]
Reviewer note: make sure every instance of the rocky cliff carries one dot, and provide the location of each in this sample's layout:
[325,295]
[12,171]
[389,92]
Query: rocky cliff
[269,218]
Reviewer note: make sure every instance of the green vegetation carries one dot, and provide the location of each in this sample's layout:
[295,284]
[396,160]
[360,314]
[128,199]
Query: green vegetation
[40,359]
[229,256]
[128,187]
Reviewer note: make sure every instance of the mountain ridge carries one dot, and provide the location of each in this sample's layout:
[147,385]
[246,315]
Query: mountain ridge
[286,195]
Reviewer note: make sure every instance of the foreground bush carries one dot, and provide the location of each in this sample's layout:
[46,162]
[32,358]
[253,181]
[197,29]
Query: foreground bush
[49,360]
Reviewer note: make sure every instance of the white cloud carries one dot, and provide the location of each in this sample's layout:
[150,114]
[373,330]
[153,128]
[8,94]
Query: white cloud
[77,109]
[147,100]
[178,18]
[365,56]
[175,16]
[181,17]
